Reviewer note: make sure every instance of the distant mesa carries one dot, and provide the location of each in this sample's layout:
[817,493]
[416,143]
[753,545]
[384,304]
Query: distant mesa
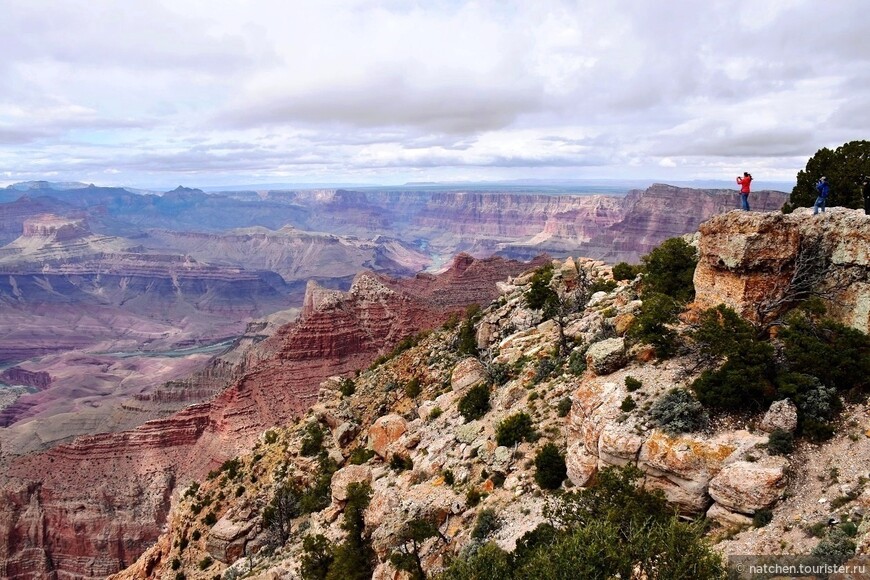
[57,227]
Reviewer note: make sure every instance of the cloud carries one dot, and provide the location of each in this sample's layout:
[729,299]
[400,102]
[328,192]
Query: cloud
[384,89]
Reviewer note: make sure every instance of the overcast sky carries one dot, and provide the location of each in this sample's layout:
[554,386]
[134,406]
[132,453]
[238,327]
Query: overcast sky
[155,94]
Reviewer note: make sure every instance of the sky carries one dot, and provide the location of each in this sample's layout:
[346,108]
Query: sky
[154,94]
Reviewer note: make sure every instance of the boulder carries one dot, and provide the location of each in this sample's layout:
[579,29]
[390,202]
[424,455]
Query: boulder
[747,487]
[227,539]
[345,433]
[466,374]
[606,356]
[727,518]
[342,478]
[384,431]
[782,415]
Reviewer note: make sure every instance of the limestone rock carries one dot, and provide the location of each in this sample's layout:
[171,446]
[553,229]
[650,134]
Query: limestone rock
[782,414]
[747,487]
[342,478]
[227,539]
[345,433]
[727,518]
[606,356]
[466,374]
[384,431]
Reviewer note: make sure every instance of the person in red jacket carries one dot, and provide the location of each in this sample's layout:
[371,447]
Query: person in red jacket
[744,182]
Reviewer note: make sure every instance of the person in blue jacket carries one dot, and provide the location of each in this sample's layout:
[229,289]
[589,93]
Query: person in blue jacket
[824,189]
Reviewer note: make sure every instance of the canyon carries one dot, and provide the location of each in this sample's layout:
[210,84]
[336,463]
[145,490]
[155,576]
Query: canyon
[89,508]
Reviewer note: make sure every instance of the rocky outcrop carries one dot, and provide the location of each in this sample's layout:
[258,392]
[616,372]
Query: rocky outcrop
[760,264]
[20,376]
[746,487]
[782,415]
[120,485]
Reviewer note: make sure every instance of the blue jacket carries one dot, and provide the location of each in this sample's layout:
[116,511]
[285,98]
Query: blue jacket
[823,188]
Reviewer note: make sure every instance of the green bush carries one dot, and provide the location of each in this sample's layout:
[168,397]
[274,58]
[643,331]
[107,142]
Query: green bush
[411,538]
[835,548]
[780,442]
[514,429]
[625,271]
[564,406]
[550,469]
[651,324]
[613,529]
[317,557]
[540,296]
[632,384]
[628,404]
[312,440]
[205,563]
[316,495]
[499,373]
[545,368]
[412,388]
[347,387]
[435,413]
[195,536]
[466,344]
[270,437]
[487,523]
[472,497]
[176,564]
[746,380]
[761,518]
[210,519]
[677,411]
[360,455]
[180,576]
[449,478]
[669,268]
[401,462]
[354,558]
[475,403]
[577,362]
[601,285]
[837,355]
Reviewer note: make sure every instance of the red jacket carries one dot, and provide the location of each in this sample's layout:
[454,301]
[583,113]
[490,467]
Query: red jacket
[744,182]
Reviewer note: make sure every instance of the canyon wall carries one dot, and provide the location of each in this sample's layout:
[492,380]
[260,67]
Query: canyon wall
[89,508]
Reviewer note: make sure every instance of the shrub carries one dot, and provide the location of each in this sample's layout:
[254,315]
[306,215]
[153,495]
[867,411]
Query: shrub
[601,285]
[210,519]
[176,564]
[475,403]
[317,557]
[360,455]
[435,413]
[205,563]
[411,538]
[449,478]
[401,462]
[540,296]
[545,368]
[312,440]
[282,508]
[835,548]
[353,559]
[677,411]
[577,362]
[180,576]
[487,523]
[270,437]
[780,442]
[745,381]
[625,271]
[316,495]
[632,384]
[412,388]
[628,404]
[472,497]
[550,467]
[347,387]
[514,429]
[650,325]
[467,338]
[668,269]
[499,373]
[761,518]
[564,406]
[195,536]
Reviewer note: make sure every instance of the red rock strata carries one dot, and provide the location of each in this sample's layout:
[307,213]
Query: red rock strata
[90,508]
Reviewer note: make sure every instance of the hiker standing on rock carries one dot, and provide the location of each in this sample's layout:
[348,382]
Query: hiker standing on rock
[744,182]
[865,191]
[824,189]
